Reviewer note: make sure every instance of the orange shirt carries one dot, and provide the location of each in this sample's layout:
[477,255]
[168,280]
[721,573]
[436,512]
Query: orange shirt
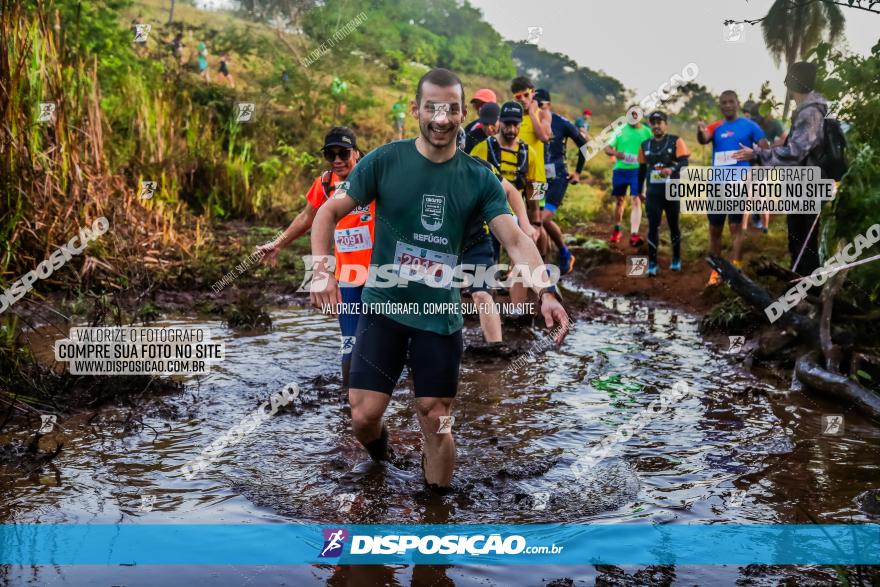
[353,237]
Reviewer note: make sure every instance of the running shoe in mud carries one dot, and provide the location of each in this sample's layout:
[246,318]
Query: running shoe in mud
[636,241]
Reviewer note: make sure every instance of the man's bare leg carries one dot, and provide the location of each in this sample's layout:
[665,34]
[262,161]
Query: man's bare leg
[618,210]
[736,235]
[367,408]
[715,239]
[490,319]
[439,449]
[635,215]
[553,230]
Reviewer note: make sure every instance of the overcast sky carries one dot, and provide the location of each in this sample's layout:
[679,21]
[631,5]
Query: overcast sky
[643,42]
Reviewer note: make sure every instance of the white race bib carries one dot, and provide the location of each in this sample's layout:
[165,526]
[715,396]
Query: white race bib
[657,178]
[723,158]
[630,158]
[422,265]
[353,239]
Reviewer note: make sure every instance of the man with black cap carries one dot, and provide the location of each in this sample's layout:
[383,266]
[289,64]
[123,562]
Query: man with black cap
[558,176]
[661,159]
[485,126]
[353,235]
[799,149]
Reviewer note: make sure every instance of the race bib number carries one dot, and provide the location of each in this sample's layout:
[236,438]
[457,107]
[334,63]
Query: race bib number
[423,265]
[657,178]
[723,158]
[550,171]
[630,158]
[353,239]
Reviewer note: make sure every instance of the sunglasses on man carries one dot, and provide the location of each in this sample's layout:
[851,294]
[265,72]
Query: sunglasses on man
[523,95]
[331,154]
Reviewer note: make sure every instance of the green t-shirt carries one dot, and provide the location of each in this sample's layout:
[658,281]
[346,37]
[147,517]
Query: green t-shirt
[398,111]
[423,213]
[628,140]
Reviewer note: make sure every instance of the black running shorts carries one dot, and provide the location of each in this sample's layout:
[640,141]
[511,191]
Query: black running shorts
[383,346]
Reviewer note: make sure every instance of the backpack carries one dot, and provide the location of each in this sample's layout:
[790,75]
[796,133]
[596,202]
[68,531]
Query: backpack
[522,160]
[830,156]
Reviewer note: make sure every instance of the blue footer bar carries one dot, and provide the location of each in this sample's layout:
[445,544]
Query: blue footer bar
[483,544]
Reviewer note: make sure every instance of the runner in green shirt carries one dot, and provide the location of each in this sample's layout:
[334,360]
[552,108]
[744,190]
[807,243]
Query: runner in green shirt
[624,146]
[427,193]
[398,117]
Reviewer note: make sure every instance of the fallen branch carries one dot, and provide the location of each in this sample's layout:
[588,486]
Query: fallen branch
[811,374]
[758,298]
[831,352]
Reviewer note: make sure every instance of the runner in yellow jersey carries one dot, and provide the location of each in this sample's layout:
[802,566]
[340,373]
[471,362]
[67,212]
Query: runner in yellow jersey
[535,131]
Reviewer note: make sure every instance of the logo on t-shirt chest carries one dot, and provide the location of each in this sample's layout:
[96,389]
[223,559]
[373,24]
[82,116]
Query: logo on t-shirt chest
[433,211]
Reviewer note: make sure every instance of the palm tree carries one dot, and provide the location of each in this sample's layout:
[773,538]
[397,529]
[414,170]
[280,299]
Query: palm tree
[793,27]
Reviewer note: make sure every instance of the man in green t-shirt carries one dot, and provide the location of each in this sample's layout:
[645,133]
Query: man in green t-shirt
[624,147]
[398,117]
[427,194]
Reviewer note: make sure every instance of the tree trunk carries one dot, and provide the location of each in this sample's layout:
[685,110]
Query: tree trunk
[812,375]
[171,13]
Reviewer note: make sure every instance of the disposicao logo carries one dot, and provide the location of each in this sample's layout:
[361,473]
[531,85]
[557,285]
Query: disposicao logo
[334,538]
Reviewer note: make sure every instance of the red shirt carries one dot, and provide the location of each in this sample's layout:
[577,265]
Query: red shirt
[353,237]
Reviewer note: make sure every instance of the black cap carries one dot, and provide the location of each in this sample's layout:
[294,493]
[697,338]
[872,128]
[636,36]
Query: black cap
[511,112]
[801,77]
[489,113]
[751,107]
[341,137]
[657,115]
[542,95]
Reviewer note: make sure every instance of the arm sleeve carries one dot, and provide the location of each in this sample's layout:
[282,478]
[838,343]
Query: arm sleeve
[362,181]
[643,173]
[580,141]
[806,132]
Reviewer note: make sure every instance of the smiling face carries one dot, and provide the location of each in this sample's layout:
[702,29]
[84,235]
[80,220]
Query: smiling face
[440,113]
[658,127]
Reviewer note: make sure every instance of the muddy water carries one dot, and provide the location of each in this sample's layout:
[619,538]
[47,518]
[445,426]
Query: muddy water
[737,449]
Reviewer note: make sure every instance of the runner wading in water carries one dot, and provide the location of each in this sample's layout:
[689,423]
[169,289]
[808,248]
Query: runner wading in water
[353,235]
[558,176]
[661,159]
[725,136]
[426,191]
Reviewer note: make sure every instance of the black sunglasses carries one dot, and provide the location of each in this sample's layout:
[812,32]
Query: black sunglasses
[331,154]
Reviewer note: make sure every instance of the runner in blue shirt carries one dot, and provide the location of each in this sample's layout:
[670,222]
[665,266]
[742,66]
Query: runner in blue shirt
[726,136]
[558,176]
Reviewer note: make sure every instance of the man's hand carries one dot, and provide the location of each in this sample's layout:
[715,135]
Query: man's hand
[573,177]
[666,171]
[701,126]
[554,315]
[744,154]
[533,107]
[270,253]
[530,231]
[323,290]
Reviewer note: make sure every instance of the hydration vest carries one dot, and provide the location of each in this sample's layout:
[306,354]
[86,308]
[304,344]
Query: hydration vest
[522,160]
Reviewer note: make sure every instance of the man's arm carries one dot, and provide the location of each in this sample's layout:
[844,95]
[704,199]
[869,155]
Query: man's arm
[702,136]
[514,198]
[804,137]
[323,287]
[522,251]
[580,141]
[540,121]
[300,225]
